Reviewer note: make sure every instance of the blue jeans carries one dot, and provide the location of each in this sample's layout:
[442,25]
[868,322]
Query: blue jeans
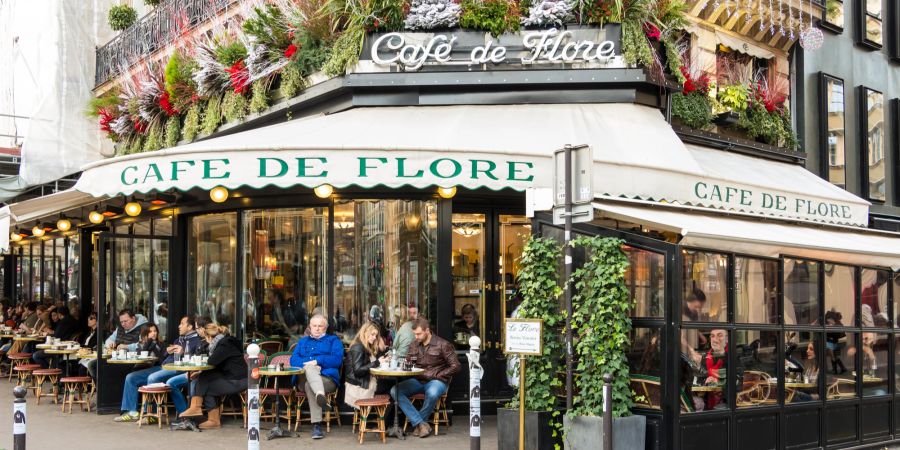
[176,382]
[433,390]
[133,381]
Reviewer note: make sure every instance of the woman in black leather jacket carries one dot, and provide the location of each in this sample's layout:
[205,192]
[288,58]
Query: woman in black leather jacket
[363,355]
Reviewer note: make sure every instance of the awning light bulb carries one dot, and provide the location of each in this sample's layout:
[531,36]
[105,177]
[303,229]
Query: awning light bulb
[324,190]
[133,208]
[63,224]
[447,192]
[218,194]
[95,217]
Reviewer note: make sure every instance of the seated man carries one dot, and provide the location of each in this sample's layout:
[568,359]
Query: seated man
[188,341]
[437,357]
[321,355]
[65,329]
[126,336]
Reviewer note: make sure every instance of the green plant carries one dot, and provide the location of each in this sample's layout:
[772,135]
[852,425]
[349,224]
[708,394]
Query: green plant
[173,131]
[694,109]
[259,96]
[268,26]
[495,16]
[291,81]
[601,322]
[635,47]
[152,2]
[121,17]
[109,101]
[234,106]
[674,62]
[761,124]
[540,290]
[179,82]
[345,53]
[312,54]
[154,139]
[734,97]
[229,53]
[212,115]
[191,123]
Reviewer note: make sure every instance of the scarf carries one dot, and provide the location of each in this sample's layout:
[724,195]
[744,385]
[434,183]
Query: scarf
[712,367]
[215,342]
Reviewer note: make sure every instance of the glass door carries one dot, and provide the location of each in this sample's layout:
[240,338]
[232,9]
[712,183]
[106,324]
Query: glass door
[470,285]
[134,274]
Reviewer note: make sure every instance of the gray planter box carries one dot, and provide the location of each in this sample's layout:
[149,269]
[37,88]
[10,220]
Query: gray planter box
[538,430]
[586,433]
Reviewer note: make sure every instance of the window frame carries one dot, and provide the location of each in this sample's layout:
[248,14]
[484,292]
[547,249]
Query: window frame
[863,142]
[831,26]
[860,17]
[824,105]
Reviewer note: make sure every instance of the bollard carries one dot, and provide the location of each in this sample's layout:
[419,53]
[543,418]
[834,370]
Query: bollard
[607,412]
[253,397]
[19,418]
[475,373]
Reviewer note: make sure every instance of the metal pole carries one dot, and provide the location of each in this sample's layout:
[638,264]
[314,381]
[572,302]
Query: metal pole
[607,412]
[522,402]
[253,397]
[19,418]
[474,393]
[568,274]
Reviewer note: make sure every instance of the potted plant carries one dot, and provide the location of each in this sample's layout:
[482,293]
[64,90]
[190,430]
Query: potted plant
[733,100]
[121,17]
[602,326]
[539,285]
[692,106]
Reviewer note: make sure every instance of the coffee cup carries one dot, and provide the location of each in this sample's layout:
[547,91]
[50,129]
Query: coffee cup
[145,354]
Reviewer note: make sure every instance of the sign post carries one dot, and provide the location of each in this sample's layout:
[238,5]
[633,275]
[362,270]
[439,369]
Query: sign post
[523,337]
[475,372]
[573,188]
[253,397]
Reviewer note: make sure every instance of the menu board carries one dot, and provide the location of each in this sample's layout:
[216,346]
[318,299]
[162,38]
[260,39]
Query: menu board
[523,336]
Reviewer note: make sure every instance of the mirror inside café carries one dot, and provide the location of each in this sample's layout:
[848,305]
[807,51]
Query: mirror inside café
[468,271]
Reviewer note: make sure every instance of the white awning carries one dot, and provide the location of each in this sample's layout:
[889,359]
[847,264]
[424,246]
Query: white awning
[762,238]
[740,45]
[40,208]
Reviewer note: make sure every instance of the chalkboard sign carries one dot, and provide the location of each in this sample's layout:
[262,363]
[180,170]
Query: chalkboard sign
[523,336]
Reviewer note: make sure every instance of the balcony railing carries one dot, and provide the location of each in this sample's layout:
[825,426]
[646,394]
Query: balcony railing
[171,19]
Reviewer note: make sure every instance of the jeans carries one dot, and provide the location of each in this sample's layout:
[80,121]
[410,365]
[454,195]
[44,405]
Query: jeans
[433,390]
[133,381]
[177,382]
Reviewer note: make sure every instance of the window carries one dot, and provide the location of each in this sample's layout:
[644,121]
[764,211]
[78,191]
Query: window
[840,296]
[872,132]
[874,363]
[646,282]
[802,376]
[869,18]
[840,359]
[704,369]
[874,298]
[831,129]
[801,292]
[705,287]
[211,256]
[896,292]
[755,290]
[284,270]
[645,367]
[833,16]
[757,356]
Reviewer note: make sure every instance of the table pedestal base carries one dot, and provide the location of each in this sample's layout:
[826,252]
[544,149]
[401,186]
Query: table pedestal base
[278,432]
[397,432]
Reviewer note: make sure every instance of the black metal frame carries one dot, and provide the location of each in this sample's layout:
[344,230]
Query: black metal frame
[824,104]
[833,27]
[859,18]
[863,142]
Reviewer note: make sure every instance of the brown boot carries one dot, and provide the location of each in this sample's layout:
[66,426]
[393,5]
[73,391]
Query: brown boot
[424,430]
[213,420]
[196,408]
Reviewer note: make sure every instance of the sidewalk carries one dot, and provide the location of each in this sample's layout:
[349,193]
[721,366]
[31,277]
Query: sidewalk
[48,428]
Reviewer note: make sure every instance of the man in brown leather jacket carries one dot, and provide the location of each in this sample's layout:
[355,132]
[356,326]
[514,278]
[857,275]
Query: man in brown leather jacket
[437,357]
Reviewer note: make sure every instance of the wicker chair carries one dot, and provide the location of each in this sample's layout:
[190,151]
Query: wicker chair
[380,403]
[756,388]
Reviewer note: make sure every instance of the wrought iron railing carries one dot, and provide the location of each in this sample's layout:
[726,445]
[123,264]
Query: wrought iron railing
[171,19]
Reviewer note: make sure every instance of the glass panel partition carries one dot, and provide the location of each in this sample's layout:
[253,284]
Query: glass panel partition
[705,287]
[755,290]
[645,278]
[757,357]
[840,296]
[211,256]
[802,305]
[874,298]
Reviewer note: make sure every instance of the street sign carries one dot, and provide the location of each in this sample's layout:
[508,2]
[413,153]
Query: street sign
[580,213]
[523,337]
[582,179]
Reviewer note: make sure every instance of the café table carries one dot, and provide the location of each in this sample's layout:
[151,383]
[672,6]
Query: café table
[26,338]
[396,430]
[187,368]
[62,352]
[148,359]
[707,388]
[278,432]
[7,335]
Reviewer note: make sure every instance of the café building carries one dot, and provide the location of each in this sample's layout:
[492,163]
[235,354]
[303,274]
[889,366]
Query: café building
[395,187]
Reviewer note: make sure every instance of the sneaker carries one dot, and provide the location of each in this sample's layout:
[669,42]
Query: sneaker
[317,432]
[424,430]
[149,421]
[127,417]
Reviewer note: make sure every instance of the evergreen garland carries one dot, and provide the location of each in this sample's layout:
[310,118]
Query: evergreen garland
[154,139]
[259,97]
[173,131]
[291,81]
[191,123]
[234,107]
[212,116]
[345,53]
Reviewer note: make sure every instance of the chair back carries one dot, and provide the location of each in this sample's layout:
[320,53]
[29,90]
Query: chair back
[280,358]
[271,347]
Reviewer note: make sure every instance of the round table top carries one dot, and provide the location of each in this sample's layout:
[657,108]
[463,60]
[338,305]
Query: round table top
[132,361]
[27,338]
[62,351]
[7,335]
[396,372]
[50,346]
[712,388]
[186,368]
[278,373]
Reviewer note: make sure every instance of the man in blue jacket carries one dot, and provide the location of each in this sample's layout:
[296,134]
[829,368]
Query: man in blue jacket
[320,355]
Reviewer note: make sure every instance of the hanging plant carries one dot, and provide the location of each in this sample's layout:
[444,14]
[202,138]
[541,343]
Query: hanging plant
[154,139]
[191,123]
[291,81]
[234,106]
[172,132]
[179,84]
[121,17]
[601,322]
[212,116]
[494,16]
[635,47]
[345,53]
[259,96]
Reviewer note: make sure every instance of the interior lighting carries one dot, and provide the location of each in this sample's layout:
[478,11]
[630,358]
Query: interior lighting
[133,208]
[95,217]
[218,194]
[15,237]
[38,231]
[63,224]
[161,198]
[447,192]
[324,190]
[111,211]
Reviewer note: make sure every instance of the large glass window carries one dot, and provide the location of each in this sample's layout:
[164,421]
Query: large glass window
[833,15]
[211,256]
[284,266]
[872,26]
[645,367]
[757,357]
[832,123]
[646,281]
[896,292]
[755,290]
[705,287]
[840,358]
[385,263]
[874,298]
[840,296]
[73,275]
[801,292]
[802,376]
[703,380]
[873,130]
[875,363]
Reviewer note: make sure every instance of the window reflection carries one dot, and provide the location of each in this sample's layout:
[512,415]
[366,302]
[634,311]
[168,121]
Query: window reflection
[834,13]
[284,263]
[645,278]
[840,296]
[704,378]
[874,298]
[73,275]
[874,363]
[873,21]
[211,253]
[835,139]
[705,286]
[756,368]
[896,292]
[801,292]
[802,376]
[645,364]
[385,263]
[755,290]
[840,351]
[874,121]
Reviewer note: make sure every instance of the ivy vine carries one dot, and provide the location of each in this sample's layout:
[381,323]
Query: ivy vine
[602,326]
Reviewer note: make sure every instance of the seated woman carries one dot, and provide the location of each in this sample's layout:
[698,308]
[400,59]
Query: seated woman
[363,355]
[228,376]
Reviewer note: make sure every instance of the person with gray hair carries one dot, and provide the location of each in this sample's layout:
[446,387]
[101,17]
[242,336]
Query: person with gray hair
[321,355]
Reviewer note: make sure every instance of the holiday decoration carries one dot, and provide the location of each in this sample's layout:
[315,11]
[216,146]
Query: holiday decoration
[431,14]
